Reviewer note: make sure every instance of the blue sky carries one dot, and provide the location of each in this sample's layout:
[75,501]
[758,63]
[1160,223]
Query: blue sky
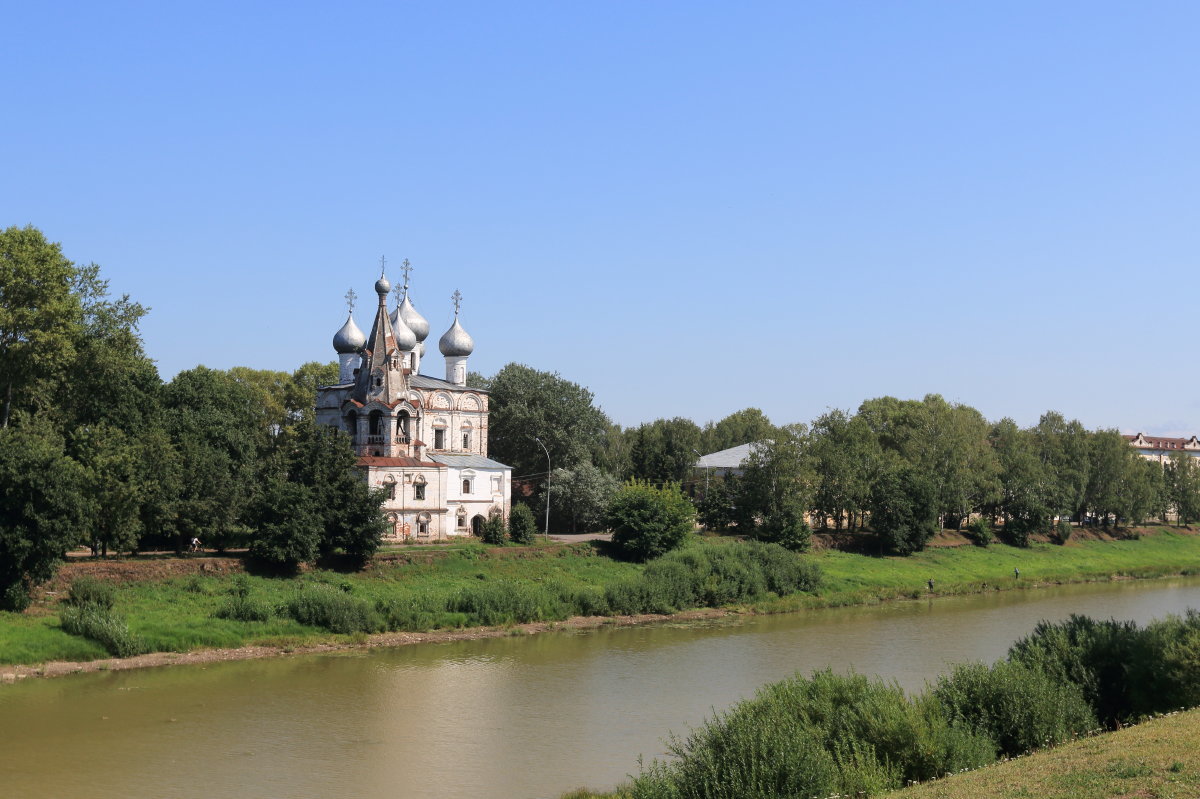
[688,207]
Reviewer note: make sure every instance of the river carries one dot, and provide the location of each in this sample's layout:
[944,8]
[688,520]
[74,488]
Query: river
[514,717]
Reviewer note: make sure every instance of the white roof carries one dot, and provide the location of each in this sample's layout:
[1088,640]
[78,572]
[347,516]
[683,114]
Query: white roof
[731,458]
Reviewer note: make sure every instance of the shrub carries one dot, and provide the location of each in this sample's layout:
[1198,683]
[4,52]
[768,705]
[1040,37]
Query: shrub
[322,605]
[522,528]
[494,531]
[14,597]
[288,527]
[498,602]
[100,624]
[648,522]
[980,533]
[241,606]
[1062,532]
[787,528]
[903,510]
[89,590]
[1019,708]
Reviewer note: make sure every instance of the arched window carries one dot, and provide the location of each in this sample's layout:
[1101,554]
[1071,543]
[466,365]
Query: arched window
[423,525]
[402,420]
[419,487]
[467,486]
[352,425]
[373,421]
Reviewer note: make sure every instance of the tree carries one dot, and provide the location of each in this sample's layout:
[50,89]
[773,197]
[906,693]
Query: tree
[1024,501]
[287,525]
[741,427]
[579,497]
[494,530]
[904,509]
[39,318]
[301,390]
[114,487]
[1182,484]
[522,527]
[647,521]
[777,478]
[1063,448]
[663,450]
[525,404]
[40,504]
[845,457]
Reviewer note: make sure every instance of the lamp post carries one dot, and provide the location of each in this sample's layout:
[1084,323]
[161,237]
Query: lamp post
[538,440]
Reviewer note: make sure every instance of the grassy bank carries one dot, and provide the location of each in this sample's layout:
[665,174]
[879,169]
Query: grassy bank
[473,585]
[1159,758]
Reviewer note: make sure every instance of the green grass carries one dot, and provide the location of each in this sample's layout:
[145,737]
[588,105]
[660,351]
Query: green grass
[178,615]
[1159,758]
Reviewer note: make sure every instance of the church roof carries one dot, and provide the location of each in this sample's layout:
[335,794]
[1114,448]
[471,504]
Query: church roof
[731,458]
[399,461]
[425,381]
[467,461]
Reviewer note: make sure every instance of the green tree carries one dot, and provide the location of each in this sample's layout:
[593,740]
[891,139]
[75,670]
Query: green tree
[579,497]
[664,450]
[777,478]
[526,403]
[845,457]
[1063,448]
[40,504]
[647,521]
[1182,483]
[301,391]
[1024,501]
[904,509]
[114,488]
[522,527]
[287,525]
[746,426]
[495,531]
[39,318]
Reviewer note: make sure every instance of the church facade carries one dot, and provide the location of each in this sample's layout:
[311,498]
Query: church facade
[422,439]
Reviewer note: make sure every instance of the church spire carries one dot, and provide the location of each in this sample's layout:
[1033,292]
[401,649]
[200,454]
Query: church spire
[381,376]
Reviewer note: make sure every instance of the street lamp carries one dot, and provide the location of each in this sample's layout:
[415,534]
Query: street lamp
[538,440]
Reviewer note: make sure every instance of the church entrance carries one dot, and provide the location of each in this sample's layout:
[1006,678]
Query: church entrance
[477,525]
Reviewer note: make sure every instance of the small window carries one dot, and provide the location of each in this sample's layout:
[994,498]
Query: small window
[391,490]
[439,439]
[466,486]
[462,521]
[466,440]
[418,491]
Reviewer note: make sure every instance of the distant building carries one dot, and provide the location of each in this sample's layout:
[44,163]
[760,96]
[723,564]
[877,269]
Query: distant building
[421,438]
[1160,448]
[726,462]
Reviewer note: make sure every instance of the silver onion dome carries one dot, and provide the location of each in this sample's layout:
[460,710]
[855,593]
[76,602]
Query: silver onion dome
[416,323]
[405,338]
[456,341]
[349,338]
[382,286]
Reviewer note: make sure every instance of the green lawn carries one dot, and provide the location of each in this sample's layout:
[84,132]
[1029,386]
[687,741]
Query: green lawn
[178,614]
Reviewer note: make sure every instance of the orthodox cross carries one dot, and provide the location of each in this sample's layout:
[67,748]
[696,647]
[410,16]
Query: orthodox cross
[406,267]
[382,265]
[457,298]
[350,298]
[399,292]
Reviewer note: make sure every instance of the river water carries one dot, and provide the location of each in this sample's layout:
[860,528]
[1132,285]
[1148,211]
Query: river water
[509,717]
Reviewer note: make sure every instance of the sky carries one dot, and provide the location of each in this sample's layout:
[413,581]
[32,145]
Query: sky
[688,207]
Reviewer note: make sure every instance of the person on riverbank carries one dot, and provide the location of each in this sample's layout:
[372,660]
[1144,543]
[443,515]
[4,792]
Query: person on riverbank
[1016,573]
[931,585]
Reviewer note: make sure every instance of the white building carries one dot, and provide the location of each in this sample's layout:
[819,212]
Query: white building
[421,438]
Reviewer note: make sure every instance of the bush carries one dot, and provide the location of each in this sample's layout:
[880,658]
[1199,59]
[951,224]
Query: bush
[522,528]
[980,533]
[322,605]
[831,734]
[1062,532]
[102,626]
[241,606]
[500,602]
[787,528]
[85,590]
[14,597]
[288,528]
[903,510]
[494,531]
[1019,708]
[648,522]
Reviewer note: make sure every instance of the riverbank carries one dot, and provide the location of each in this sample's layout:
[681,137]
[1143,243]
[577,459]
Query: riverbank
[1157,758]
[172,605]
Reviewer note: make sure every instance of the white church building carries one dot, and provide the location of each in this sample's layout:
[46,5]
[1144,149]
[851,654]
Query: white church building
[420,438]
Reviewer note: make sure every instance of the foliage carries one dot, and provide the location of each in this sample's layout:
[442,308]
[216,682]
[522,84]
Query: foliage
[102,625]
[979,531]
[522,527]
[242,605]
[787,527]
[1062,532]
[495,531]
[647,521]
[740,427]
[776,479]
[40,504]
[322,605]
[1018,707]
[525,403]
[579,497]
[664,450]
[287,525]
[903,510]
[718,506]
[89,590]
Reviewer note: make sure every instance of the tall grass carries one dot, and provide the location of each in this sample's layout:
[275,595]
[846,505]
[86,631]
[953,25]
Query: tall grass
[102,626]
[321,605]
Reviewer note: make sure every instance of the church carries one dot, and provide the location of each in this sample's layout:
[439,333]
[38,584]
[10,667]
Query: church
[422,439]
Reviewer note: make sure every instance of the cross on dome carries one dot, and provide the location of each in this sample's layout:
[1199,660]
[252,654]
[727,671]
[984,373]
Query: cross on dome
[351,296]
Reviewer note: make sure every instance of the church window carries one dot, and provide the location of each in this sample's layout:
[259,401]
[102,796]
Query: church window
[466,439]
[419,488]
[467,486]
[391,490]
[352,425]
[402,426]
[374,419]
[378,382]
[439,439]
[462,520]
